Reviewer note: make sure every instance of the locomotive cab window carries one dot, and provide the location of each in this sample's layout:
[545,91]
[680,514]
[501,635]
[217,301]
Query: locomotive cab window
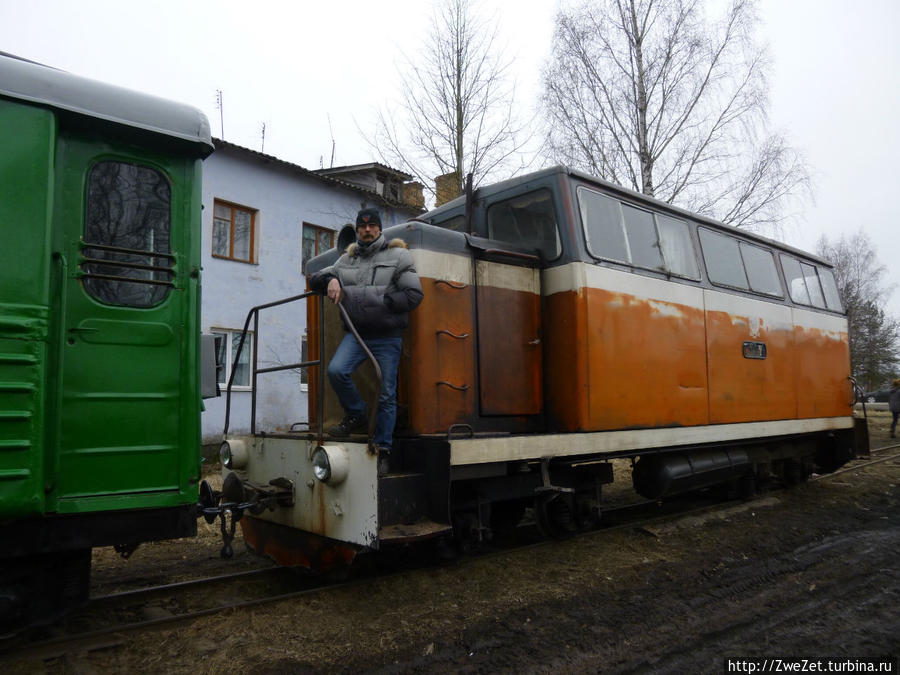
[127,256]
[624,233]
[528,221]
[456,223]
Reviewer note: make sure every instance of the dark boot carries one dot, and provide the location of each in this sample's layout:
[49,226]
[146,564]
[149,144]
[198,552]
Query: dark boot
[351,424]
[384,461]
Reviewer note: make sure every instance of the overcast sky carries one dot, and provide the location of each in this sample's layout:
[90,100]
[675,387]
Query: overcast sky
[315,71]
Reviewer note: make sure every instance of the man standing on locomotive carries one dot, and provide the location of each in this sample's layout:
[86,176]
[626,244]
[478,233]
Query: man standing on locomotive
[378,284]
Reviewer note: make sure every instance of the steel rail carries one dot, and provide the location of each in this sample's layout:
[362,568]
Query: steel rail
[151,590]
[98,639]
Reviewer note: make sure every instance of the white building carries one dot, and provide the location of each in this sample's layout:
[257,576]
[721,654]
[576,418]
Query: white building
[262,219]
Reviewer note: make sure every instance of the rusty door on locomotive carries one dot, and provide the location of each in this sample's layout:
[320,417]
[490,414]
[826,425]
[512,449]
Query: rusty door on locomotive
[510,362]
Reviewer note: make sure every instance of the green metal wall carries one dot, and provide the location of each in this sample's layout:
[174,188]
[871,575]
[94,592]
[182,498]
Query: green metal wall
[27,137]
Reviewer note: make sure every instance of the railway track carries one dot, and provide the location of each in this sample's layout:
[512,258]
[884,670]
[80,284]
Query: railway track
[107,620]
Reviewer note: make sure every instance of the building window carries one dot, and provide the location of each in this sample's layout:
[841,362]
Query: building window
[228,349]
[316,240]
[234,231]
[127,259]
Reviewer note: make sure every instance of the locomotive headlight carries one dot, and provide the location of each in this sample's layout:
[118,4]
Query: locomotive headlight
[331,464]
[233,454]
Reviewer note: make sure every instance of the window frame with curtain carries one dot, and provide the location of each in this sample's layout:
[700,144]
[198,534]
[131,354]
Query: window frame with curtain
[226,218]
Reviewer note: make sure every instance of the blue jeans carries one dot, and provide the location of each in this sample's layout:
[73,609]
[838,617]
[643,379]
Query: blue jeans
[347,358]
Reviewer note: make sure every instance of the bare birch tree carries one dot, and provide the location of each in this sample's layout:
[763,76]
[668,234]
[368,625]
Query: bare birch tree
[652,96]
[874,335]
[456,111]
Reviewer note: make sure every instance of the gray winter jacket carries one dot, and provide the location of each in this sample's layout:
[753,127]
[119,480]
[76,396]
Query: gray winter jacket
[379,283]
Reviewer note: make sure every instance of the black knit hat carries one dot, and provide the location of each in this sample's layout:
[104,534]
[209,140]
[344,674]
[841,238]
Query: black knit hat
[368,217]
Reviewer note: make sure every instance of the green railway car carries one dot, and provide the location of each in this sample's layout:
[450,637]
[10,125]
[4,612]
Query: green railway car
[99,329]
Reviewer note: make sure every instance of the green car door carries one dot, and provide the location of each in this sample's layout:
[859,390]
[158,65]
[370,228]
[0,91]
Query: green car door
[127,305]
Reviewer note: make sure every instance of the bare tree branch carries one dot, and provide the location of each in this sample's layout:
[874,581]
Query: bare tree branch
[456,111]
[649,94]
[874,336]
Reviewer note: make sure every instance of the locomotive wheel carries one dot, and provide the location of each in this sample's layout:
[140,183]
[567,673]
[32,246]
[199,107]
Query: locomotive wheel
[794,472]
[557,516]
[506,516]
[465,531]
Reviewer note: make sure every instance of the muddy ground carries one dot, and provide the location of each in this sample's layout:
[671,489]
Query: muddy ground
[812,573]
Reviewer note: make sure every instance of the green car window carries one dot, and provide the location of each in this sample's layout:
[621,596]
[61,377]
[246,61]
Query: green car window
[127,253]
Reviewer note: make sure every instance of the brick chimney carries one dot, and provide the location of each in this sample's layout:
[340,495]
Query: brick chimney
[411,194]
[446,188]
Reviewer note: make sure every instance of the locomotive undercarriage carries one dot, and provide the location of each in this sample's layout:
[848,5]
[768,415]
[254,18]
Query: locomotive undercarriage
[45,566]
[297,519]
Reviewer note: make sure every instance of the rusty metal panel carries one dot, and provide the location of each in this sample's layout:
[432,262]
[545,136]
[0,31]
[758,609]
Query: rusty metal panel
[437,373]
[295,548]
[647,359]
[566,361]
[510,361]
[822,364]
[744,389]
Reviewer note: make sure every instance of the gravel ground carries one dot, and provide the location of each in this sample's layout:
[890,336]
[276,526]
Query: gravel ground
[808,573]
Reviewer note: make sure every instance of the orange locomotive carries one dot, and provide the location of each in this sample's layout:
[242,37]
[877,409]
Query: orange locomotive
[566,322]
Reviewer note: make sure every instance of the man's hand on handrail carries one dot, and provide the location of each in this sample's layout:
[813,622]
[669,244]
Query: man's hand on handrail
[334,290]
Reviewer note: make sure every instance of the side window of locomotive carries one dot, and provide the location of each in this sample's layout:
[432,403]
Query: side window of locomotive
[832,297]
[528,221]
[603,228]
[127,257]
[723,260]
[677,249]
[805,287]
[812,285]
[642,240]
[799,282]
[794,278]
[761,272]
[621,232]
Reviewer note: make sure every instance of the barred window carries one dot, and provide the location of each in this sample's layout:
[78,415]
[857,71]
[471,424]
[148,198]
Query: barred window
[127,259]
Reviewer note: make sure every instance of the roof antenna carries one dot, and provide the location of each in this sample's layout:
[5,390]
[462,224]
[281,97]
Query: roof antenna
[330,131]
[262,147]
[221,108]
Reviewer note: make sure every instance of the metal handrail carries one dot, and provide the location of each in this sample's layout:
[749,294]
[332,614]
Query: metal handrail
[254,314]
[320,404]
[373,409]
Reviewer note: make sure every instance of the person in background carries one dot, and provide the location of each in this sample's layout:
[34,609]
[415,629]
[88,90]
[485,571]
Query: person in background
[894,403]
[376,281]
